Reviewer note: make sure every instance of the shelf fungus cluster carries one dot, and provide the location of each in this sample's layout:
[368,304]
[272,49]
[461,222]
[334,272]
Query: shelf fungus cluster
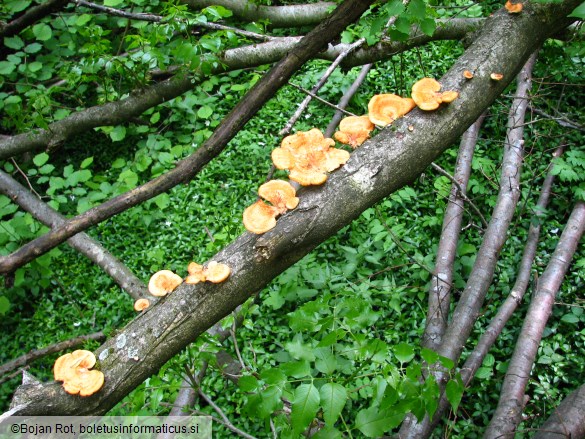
[261,217]
[308,156]
[214,273]
[74,370]
[427,95]
[164,282]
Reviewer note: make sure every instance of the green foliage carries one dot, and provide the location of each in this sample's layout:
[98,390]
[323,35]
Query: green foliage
[570,169]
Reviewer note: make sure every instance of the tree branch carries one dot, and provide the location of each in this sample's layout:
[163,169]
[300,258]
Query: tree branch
[114,113]
[278,16]
[481,276]
[187,168]
[509,411]
[442,279]
[32,15]
[35,354]
[87,246]
[391,159]
[567,420]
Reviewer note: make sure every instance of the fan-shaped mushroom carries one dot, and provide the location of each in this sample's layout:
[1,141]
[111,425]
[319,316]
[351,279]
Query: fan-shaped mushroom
[73,370]
[427,96]
[260,217]
[163,282]
[216,272]
[280,193]
[383,109]
[141,304]
[513,8]
[354,130]
[308,155]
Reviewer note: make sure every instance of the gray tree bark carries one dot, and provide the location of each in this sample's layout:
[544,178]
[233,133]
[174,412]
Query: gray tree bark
[567,420]
[392,159]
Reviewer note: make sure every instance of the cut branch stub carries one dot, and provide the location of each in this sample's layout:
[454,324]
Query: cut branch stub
[383,109]
[309,156]
[354,130]
[427,96]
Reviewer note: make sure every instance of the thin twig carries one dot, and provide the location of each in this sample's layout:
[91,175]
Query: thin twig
[35,354]
[461,193]
[321,99]
[225,421]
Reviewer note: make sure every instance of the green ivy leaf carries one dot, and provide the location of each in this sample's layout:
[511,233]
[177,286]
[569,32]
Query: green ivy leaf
[204,112]
[304,407]
[18,5]
[333,398]
[118,133]
[35,66]
[579,12]
[248,383]
[428,26]
[404,352]
[42,31]
[4,305]
[373,422]
[454,392]
[6,67]
[15,42]
[41,159]
[88,161]
[113,3]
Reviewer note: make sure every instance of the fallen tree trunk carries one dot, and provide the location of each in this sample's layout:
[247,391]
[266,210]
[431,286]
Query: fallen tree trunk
[380,166]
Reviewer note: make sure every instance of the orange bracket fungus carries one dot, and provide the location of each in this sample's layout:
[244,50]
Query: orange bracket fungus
[163,282]
[496,76]
[354,130]
[426,93]
[513,8]
[214,272]
[73,370]
[280,193]
[261,217]
[141,304]
[308,155]
[384,109]
[467,74]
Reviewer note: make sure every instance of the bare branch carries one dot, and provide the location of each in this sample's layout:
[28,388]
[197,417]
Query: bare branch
[114,113]
[87,246]
[224,418]
[567,420]
[35,354]
[157,19]
[481,276]
[187,168]
[509,411]
[442,279]
[278,16]
[32,15]
[344,101]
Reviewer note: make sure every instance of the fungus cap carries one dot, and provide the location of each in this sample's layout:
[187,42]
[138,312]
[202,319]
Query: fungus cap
[354,130]
[427,96]
[513,8]
[383,109]
[141,304]
[196,274]
[496,76]
[280,193]
[467,74]
[163,282]
[308,155]
[260,217]
[216,272]
[73,370]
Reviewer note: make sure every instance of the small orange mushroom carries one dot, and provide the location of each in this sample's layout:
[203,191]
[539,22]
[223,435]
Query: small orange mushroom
[216,272]
[427,96]
[280,193]
[354,130]
[195,273]
[496,76]
[308,155]
[163,282]
[383,109]
[260,217]
[73,370]
[467,74]
[513,8]
[141,304]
